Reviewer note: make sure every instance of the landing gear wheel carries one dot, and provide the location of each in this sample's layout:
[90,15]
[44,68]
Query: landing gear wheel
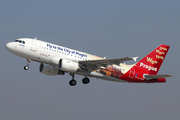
[85,80]
[26,67]
[72,82]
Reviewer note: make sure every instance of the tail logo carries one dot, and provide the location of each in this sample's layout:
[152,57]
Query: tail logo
[148,67]
[159,57]
[151,60]
[161,53]
[162,48]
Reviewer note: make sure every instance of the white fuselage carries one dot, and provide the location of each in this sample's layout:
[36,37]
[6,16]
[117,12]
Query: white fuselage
[45,52]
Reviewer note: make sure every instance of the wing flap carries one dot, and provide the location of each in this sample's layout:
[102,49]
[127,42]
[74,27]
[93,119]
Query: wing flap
[94,64]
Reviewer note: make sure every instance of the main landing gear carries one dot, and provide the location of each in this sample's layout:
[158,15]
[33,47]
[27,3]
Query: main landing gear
[27,66]
[85,80]
[73,82]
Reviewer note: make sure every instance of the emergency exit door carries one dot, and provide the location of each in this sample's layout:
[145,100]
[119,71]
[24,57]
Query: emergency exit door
[34,45]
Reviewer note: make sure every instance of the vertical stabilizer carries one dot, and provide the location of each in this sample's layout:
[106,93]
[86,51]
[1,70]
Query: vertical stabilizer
[152,62]
[149,65]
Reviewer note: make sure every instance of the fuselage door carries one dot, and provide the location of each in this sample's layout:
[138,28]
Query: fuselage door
[34,45]
[132,73]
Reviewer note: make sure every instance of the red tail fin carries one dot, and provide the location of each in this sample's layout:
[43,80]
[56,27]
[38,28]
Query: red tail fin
[152,62]
[148,65]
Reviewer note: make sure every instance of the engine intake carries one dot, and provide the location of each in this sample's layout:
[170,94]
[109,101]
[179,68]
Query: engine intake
[50,70]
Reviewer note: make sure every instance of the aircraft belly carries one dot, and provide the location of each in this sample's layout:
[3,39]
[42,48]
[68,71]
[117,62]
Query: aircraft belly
[112,79]
[100,76]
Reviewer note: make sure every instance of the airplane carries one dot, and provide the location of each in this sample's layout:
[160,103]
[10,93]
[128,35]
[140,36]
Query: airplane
[58,60]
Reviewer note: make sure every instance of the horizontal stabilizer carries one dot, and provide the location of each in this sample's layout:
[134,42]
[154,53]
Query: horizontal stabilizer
[157,76]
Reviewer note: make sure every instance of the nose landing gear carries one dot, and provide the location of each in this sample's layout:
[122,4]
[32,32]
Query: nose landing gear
[27,66]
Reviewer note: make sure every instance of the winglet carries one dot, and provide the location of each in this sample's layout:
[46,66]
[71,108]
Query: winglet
[134,58]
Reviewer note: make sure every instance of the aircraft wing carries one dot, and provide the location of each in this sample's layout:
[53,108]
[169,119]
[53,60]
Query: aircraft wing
[157,76]
[95,64]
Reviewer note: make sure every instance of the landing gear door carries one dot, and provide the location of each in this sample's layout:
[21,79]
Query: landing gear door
[34,45]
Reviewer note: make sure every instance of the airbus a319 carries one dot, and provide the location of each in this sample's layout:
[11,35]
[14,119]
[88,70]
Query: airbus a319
[58,60]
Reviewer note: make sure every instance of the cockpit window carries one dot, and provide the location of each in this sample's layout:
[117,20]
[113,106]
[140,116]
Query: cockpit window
[20,41]
[16,40]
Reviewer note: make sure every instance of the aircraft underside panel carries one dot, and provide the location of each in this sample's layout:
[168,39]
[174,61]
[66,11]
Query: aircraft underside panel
[100,76]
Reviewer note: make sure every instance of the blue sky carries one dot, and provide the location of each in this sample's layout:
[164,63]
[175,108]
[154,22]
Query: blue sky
[113,29]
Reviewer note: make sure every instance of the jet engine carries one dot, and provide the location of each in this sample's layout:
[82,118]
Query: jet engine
[50,70]
[65,64]
[68,65]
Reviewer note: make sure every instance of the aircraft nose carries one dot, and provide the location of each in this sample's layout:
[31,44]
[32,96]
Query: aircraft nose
[9,46]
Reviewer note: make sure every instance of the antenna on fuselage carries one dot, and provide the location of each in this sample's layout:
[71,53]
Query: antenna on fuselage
[36,38]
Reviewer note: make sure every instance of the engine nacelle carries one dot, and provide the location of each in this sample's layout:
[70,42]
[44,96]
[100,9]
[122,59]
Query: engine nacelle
[50,70]
[68,65]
